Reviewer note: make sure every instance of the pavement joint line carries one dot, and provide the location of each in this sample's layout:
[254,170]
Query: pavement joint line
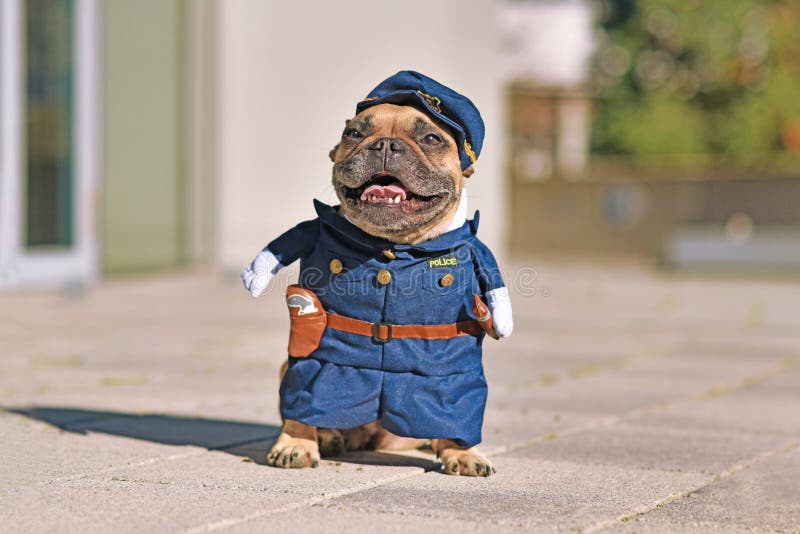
[722,475]
[233,521]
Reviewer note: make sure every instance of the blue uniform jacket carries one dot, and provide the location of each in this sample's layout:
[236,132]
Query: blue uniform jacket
[417,387]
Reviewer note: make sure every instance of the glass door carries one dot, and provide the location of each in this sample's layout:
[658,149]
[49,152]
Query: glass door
[49,141]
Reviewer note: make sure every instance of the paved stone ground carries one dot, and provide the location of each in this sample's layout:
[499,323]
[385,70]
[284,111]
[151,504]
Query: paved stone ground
[625,401]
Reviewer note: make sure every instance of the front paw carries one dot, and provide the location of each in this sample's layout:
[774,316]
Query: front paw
[293,452]
[466,462]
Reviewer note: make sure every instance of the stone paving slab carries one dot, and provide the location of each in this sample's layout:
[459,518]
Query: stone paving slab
[120,504]
[35,453]
[326,518]
[610,393]
[764,497]
[653,447]
[524,492]
[182,493]
[232,471]
[512,424]
[768,408]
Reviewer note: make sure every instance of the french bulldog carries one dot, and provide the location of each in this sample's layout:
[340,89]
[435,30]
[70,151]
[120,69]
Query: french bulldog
[396,293]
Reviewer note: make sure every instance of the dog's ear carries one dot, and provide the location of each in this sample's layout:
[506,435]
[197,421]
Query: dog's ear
[469,171]
[332,153]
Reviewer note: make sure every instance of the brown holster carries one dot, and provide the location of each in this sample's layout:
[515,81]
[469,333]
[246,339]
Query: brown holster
[309,319]
[484,317]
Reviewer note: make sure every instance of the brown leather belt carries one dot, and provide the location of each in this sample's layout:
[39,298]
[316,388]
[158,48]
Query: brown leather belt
[385,332]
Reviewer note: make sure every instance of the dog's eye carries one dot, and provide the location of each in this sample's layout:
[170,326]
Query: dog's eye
[432,139]
[352,133]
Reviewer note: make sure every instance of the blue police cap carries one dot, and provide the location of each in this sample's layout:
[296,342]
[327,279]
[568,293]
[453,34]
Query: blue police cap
[455,110]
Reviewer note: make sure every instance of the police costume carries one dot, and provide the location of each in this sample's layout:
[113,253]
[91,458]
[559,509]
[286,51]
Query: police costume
[425,387]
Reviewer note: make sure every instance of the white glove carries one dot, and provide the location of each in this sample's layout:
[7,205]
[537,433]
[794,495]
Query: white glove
[257,276]
[500,305]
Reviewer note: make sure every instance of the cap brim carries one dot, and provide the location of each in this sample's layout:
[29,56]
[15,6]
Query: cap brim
[411,97]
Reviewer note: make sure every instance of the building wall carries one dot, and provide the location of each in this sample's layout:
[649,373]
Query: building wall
[143,123]
[639,218]
[290,73]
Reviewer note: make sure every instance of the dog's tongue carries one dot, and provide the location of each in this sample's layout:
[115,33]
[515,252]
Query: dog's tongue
[390,191]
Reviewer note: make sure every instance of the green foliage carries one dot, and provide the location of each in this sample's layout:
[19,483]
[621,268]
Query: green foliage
[700,77]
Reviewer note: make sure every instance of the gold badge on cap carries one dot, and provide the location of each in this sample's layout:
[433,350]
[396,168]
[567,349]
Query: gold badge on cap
[433,101]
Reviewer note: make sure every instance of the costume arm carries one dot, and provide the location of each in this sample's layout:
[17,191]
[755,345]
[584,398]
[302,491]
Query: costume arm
[500,305]
[280,252]
[494,290]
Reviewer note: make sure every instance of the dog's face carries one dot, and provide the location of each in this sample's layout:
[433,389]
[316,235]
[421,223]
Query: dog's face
[397,173]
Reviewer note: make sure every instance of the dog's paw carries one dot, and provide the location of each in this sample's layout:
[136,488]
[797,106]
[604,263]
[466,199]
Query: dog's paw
[331,442]
[466,462]
[293,452]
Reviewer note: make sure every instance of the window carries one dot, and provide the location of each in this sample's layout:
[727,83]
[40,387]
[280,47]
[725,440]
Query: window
[49,122]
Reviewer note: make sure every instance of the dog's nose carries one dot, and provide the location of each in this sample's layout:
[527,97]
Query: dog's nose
[395,145]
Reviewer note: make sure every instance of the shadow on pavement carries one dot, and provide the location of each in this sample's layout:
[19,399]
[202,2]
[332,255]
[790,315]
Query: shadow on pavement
[240,438]
[213,434]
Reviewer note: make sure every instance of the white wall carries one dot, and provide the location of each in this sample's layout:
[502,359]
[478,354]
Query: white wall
[548,41]
[290,73]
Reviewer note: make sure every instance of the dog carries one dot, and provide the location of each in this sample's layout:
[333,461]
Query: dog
[396,293]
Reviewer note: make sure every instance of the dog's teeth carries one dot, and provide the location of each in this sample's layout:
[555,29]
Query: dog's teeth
[397,199]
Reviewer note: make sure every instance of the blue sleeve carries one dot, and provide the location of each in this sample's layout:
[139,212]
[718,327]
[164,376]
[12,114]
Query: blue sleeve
[295,243]
[486,268]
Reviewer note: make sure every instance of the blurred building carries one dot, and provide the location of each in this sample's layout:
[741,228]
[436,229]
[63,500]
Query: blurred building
[152,135]
[547,47]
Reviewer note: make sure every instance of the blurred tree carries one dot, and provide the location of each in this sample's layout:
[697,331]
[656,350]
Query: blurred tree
[699,80]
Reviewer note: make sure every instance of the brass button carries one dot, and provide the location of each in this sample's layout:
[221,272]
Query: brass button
[336,266]
[384,277]
[447,280]
[389,254]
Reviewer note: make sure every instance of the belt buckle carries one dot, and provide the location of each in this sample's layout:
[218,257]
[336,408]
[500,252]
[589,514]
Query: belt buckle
[376,332]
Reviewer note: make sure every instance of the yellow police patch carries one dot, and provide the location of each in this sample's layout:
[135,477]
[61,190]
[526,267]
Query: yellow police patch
[444,261]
